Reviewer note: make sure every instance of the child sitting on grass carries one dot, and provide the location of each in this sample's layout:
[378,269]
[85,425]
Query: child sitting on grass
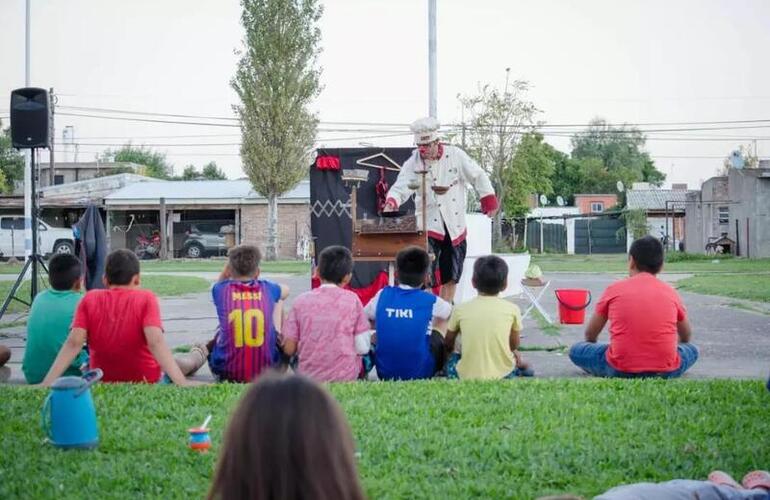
[250,313]
[407,347]
[287,439]
[122,327]
[50,318]
[649,331]
[490,328]
[323,323]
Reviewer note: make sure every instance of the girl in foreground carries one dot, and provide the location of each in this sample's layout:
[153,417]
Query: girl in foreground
[287,440]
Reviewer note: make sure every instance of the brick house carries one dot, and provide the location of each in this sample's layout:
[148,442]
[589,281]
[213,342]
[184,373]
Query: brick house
[208,215]
[595,203]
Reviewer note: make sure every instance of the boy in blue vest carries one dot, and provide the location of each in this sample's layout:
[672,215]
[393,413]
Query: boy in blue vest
[407,346]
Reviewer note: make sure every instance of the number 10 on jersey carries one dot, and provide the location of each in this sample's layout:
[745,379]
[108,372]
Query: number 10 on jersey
[248,327]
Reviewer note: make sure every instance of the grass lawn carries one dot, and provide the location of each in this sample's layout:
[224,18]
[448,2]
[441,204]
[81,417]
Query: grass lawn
[163,286]
[205,265]
[741,286]
[436,439]
[617,263]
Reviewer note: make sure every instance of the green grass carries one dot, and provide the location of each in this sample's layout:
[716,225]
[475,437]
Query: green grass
[740,286]
[203,265]
[617,263]
[436,439]
[163,286]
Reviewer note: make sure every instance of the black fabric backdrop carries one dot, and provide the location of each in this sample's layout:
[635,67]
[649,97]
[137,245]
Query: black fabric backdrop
[330,221]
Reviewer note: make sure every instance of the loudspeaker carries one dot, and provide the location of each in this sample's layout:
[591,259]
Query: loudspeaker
[29,118]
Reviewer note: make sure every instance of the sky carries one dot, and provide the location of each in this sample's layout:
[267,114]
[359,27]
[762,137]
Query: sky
[638,62]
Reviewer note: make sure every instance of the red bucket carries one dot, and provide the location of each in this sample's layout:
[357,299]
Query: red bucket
[572,305]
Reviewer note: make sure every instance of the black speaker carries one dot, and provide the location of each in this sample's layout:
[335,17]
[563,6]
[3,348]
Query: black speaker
[29,118]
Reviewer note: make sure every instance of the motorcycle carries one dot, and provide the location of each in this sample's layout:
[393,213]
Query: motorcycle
[148,248]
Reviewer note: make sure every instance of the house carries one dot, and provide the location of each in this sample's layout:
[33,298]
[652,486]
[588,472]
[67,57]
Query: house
[198,212]
[664,208]
[732,209]
[69,172]
[595,203]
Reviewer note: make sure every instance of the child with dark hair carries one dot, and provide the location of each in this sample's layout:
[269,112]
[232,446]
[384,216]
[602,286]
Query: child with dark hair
[122,327]
[287,439]
[249,310]
[323,323]
[407,345]
[50,318]
[649,331]
[489,326]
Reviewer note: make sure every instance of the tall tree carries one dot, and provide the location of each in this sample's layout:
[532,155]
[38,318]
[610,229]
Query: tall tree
[617,154]
[152,163]
[531,170]
[190,173]
[212,172]
[498,120]
[11,162]
[276,80]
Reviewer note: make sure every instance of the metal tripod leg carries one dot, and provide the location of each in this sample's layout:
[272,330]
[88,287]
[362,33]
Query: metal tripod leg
[12,292]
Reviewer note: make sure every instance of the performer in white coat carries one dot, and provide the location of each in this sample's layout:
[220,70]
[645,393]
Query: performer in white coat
[450,171]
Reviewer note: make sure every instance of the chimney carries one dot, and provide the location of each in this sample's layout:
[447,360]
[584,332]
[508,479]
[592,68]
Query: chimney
[679,187]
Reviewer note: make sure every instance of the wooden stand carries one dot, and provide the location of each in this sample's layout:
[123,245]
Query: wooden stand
[379,240]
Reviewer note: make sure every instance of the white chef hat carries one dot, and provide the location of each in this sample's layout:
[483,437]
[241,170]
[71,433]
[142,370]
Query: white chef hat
[425,130]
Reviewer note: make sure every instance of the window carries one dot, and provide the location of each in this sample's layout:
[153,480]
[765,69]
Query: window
[597,206]
[15,223]
[58,179]
[724,215]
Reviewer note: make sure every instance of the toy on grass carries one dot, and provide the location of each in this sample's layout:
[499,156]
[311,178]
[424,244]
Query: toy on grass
[199,437]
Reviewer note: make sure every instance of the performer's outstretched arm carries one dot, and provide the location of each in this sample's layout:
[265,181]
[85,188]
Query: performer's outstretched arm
[479,179]
[400,191]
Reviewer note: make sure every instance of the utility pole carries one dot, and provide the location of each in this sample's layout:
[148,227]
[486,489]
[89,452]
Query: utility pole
[432,76]
[52,136]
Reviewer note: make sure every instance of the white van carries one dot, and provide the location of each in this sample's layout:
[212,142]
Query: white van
[51,240]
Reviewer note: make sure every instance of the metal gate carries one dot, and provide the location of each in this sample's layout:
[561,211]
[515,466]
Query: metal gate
[604,235]
[554,237]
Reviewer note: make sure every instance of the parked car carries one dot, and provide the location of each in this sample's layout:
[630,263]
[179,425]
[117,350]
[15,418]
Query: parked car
[200,243]
[51,240]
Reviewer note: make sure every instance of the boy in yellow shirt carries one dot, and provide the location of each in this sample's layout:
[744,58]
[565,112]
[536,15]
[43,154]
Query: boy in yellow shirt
[490,329]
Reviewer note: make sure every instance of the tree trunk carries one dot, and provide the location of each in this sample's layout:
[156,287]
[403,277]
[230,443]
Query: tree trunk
[271,250]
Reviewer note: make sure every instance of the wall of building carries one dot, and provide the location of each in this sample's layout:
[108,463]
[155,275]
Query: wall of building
[293,225]
[702,219]
[750,189]
[583,201]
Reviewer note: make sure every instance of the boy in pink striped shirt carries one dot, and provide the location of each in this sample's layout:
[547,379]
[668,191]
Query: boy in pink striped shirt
[323,323]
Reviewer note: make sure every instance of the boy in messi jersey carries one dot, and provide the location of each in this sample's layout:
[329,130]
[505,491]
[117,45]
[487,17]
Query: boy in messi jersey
[407,346]
[249,311]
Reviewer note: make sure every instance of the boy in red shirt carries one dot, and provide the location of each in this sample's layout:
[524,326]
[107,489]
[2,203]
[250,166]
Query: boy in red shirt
[649,331]
[122,327]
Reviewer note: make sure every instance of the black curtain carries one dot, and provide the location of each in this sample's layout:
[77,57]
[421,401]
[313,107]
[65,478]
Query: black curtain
[330,220]
[91,247]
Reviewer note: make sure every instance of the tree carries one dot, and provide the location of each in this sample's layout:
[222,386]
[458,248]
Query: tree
[11,162]
[212,172]
[190,173]
[531,170]
[617,155]
[498,119]
[152,163]
[276,80]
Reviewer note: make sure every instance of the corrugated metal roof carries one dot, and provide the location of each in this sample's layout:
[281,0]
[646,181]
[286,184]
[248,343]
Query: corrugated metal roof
[199,192]
[655,199]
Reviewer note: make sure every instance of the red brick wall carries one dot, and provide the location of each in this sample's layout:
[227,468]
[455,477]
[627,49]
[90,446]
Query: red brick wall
[583,201]
[293,223]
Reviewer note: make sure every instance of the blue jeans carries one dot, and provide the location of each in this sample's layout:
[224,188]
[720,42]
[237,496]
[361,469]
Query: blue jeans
[454,358]
[591,357]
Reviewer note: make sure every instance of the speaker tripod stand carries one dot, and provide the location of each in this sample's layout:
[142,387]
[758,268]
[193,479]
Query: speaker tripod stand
[35,259]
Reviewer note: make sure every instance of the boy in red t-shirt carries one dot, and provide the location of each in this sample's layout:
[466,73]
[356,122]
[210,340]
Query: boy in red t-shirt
[121,326]
[649,331]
